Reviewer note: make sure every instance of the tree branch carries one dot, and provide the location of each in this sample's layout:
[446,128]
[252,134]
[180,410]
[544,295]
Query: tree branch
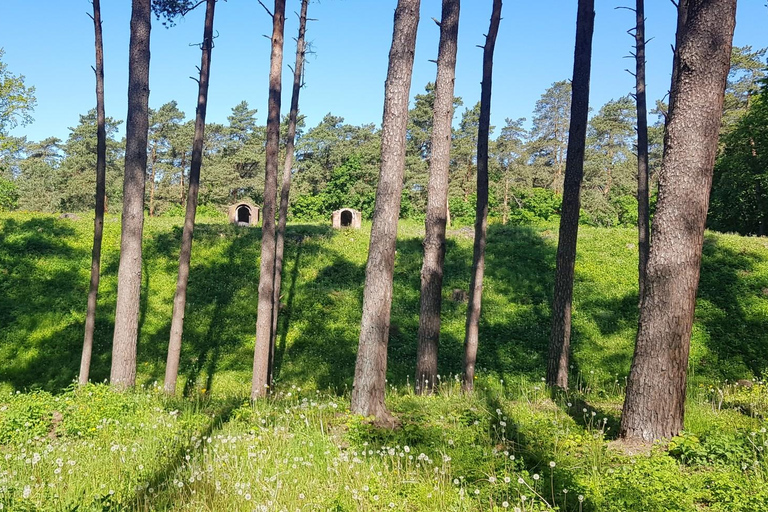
[265,8]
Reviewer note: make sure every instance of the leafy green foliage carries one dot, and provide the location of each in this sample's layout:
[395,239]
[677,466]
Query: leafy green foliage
[9,194]
[740,186]
[17,101]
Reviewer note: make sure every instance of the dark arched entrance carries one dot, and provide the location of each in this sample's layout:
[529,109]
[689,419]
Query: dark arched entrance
[244,214]
[346,218]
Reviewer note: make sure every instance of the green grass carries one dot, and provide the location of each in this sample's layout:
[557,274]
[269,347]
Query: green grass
[208,448]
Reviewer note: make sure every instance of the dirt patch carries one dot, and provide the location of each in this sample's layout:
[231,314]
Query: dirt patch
[632,446]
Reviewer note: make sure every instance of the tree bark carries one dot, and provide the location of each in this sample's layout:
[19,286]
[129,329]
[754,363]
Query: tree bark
[481,211]
[153,161]
[98,222]
[123,373]
[285,190]
[505,214]
[260,383]
[185,253]
[643,206]
[437,202]
[371,365]
[655,402]
[560,338]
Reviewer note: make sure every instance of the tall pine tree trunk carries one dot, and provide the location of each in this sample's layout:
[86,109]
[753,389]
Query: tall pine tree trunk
[643,208]
[481,210]
[126,334]
[262,351]
[153,161]
[98,223]
[285,189]
[371,365]
[437,202]
[560,338]
[185,254]
[655,402]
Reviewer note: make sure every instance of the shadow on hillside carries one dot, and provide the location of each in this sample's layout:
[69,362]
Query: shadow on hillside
[43,296]
[325,311]
[44,301]
[43,288]
[732,300]
[222,296]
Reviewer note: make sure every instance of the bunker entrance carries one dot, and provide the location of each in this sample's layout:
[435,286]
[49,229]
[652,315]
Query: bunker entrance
[346,218]
[244,214]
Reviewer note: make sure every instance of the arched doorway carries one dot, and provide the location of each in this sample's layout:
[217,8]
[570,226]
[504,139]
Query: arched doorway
[346,218]
[244,214]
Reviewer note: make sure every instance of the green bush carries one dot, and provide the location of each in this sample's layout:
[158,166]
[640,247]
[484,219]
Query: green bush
[203,211]
[8,195]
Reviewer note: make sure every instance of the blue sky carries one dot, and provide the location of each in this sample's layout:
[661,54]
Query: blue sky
[51,43]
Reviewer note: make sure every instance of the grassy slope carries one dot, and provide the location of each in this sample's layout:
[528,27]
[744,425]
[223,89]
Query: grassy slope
[44,264]
[302,450]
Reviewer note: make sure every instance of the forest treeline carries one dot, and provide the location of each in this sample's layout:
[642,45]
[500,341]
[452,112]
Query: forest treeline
[337,163]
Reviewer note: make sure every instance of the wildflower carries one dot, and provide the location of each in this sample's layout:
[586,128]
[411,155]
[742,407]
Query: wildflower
[551,463]
[477,491]
[581,498]
[536,476]
[504,504]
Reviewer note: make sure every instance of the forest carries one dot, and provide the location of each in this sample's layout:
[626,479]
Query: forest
[567,312]
[337,163]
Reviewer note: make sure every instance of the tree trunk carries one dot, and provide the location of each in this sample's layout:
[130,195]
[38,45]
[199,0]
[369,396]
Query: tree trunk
[505,215]
[260,384]
[185,254]
[682,16]
[98,223]
[643,205]
[371,365]
[560,338]
[181,184]
[655,401]
[437,202]
[758,186]
[481,211]
[152,180]
[285,190]
[123,372]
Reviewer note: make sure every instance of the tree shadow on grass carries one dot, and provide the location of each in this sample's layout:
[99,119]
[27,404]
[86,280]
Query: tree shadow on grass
[730,339]
[219,326]
[159,481]
[320,343]
[43,292]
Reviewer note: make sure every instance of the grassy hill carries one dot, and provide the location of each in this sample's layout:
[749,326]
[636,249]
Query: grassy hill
[44,265]
[301,449]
